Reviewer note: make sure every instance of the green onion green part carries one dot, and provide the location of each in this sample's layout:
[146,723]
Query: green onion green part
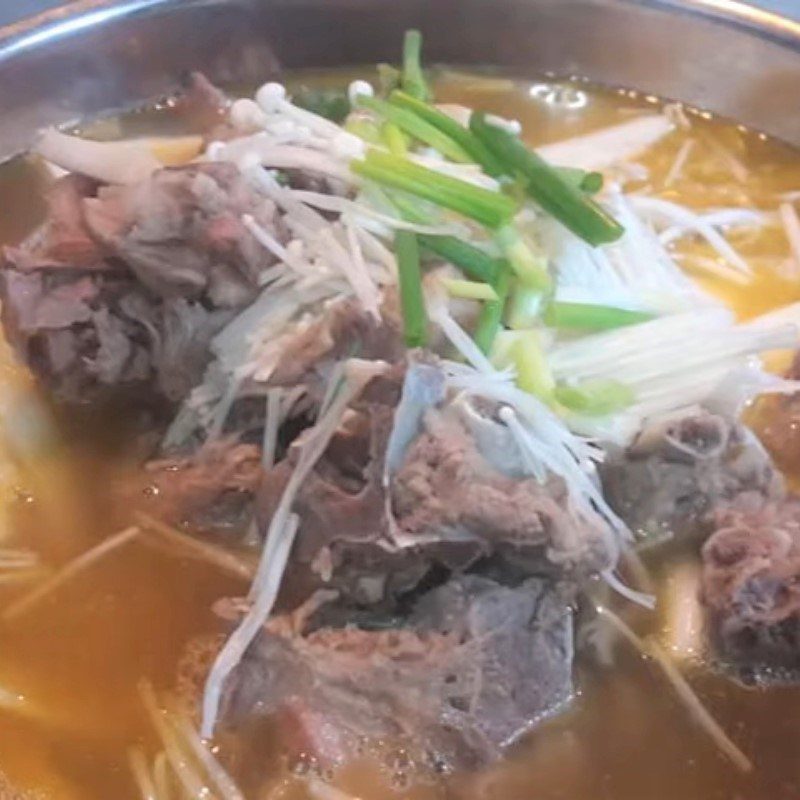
[491,316]
[394,139]
[412,78]
[491,209]
[412,301]
[594,397]
[592,182]
[564,201]
[389,78]
[471,260]
[524,307]
[364,128]
[415,126]
[462,136]
[533,373]
[590,317]
[329,103]
[530,268]
[470,290]
[589,182]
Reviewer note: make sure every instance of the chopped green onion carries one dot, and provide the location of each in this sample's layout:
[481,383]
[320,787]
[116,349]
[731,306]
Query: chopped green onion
[470,290]
[524,307]
[491,209]
[389,78]
[533,373]
[410,207]
[415,126]
[530,268]
[412,301]
[596,397]
[469,259]
[565,202]
[492,312]
[412,78]
[332,104]
[592,182]
[364,128]
[589,182]
[591,317]
[394,139]
[462,136]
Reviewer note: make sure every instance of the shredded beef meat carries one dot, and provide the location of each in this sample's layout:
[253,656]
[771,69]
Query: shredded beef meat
[63,240]
[343,330]
[211,490]
[474,667]
[180,232]
[751,589]
[451,502]
[677,473]
[124,287]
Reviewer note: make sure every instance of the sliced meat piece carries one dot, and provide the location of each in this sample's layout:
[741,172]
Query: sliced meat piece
[181,233]
[679,471]
[751,589]
[64,239]
[88,336]
[452,501]
[448,488]
[342,330]
[475,666]
[124,287]
[211,490]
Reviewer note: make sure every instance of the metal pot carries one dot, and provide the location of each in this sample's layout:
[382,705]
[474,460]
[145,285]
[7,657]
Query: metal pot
[97,56]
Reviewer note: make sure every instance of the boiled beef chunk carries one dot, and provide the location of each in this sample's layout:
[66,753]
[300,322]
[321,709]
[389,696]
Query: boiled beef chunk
[372,530]
[343,329]
[63,240]
[474,667]
[180,232]
[123,288]
[89,336]
[751,590]
[678,471]
[211,490]
[448,488]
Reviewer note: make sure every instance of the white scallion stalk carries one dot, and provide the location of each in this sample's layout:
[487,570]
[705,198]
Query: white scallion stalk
[721,218]
[602,148]
[681,158]
[341,205]
[265,238]
[664,210]
[142,775]
[439,313]
[684,692]
[68,572]
[469,290]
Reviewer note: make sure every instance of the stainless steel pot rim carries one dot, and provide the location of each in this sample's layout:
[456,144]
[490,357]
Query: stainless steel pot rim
[79,14]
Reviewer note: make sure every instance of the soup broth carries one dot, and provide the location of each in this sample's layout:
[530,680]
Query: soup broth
[70,664]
